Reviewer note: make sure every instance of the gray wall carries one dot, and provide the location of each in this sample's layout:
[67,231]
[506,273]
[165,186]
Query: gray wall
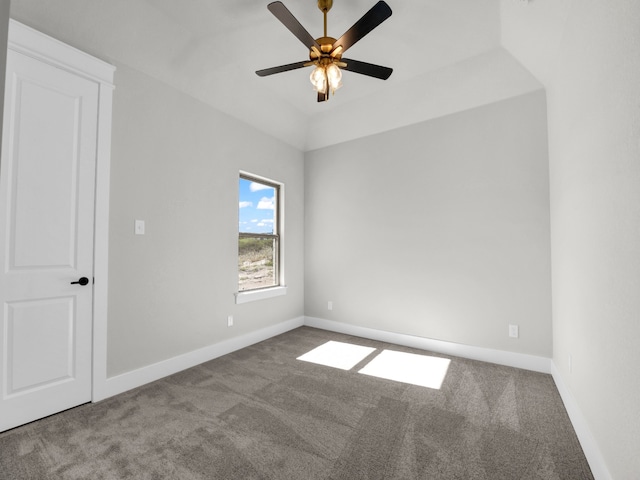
[175,164]
[594,134]
[440,229]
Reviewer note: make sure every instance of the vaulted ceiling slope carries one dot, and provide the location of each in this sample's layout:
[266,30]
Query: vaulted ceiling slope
[447,56]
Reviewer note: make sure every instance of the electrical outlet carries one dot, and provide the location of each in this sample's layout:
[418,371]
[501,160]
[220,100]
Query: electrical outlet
[513,331]
[329,305]
[230,321]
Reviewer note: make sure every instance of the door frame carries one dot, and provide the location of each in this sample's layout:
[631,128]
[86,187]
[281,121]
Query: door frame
[30,42]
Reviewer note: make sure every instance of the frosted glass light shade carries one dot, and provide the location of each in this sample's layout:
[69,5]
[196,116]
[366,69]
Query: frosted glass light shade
[334,74]
[322,77]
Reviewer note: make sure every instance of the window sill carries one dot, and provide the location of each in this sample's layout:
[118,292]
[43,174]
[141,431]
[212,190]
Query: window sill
[253,295]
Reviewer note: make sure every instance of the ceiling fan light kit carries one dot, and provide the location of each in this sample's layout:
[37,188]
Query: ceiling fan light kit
[326,78]
[325,53]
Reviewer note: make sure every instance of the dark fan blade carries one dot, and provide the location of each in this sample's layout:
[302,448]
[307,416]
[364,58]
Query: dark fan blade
[281,68]
[370,20]
[288,20]
[365,68]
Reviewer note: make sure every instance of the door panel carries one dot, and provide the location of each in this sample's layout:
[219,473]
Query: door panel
[39,354]
[47,182]
[53,117]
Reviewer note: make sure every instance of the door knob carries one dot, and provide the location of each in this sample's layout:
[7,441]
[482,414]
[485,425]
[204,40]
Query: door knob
[82,281]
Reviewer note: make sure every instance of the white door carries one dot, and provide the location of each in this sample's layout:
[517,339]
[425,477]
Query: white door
[47,183]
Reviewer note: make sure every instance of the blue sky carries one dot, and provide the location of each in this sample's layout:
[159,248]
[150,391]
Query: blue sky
[256,207]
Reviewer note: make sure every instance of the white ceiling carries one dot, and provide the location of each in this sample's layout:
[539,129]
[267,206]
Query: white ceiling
[446,55]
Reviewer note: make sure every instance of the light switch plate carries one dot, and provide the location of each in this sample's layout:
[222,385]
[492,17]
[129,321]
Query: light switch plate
[139,227]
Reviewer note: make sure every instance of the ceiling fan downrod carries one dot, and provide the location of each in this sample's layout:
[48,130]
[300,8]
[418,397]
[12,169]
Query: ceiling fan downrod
[325,6]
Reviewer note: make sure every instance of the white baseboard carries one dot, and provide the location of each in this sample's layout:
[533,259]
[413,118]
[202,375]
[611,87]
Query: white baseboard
[511,359]
[529,362]
[587,441]
[136,378]
[127,381]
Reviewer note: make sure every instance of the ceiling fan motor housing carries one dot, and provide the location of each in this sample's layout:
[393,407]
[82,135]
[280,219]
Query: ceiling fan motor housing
[326,46]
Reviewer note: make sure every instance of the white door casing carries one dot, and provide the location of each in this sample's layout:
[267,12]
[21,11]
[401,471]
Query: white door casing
[51,132]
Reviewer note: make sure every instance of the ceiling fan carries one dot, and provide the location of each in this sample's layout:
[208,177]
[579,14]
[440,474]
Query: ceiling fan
[325,53]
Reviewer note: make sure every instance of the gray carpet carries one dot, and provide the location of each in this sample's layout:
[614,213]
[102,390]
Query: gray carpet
[261,414]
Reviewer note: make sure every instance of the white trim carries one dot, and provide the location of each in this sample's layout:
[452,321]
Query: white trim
[253,295]
[47,49]
[151,373]
[587,440]
[511,359]
[101,244]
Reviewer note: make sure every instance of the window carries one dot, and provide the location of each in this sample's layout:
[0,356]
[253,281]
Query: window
[259,233]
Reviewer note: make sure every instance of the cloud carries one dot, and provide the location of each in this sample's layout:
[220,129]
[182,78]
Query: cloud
[245,204]
[254,187]
[266,204]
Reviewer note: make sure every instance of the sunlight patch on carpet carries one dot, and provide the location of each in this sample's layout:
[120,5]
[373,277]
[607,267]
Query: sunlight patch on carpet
[421,370]
[340,355]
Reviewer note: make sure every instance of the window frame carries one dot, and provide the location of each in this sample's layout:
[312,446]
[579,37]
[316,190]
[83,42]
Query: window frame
[279,287]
